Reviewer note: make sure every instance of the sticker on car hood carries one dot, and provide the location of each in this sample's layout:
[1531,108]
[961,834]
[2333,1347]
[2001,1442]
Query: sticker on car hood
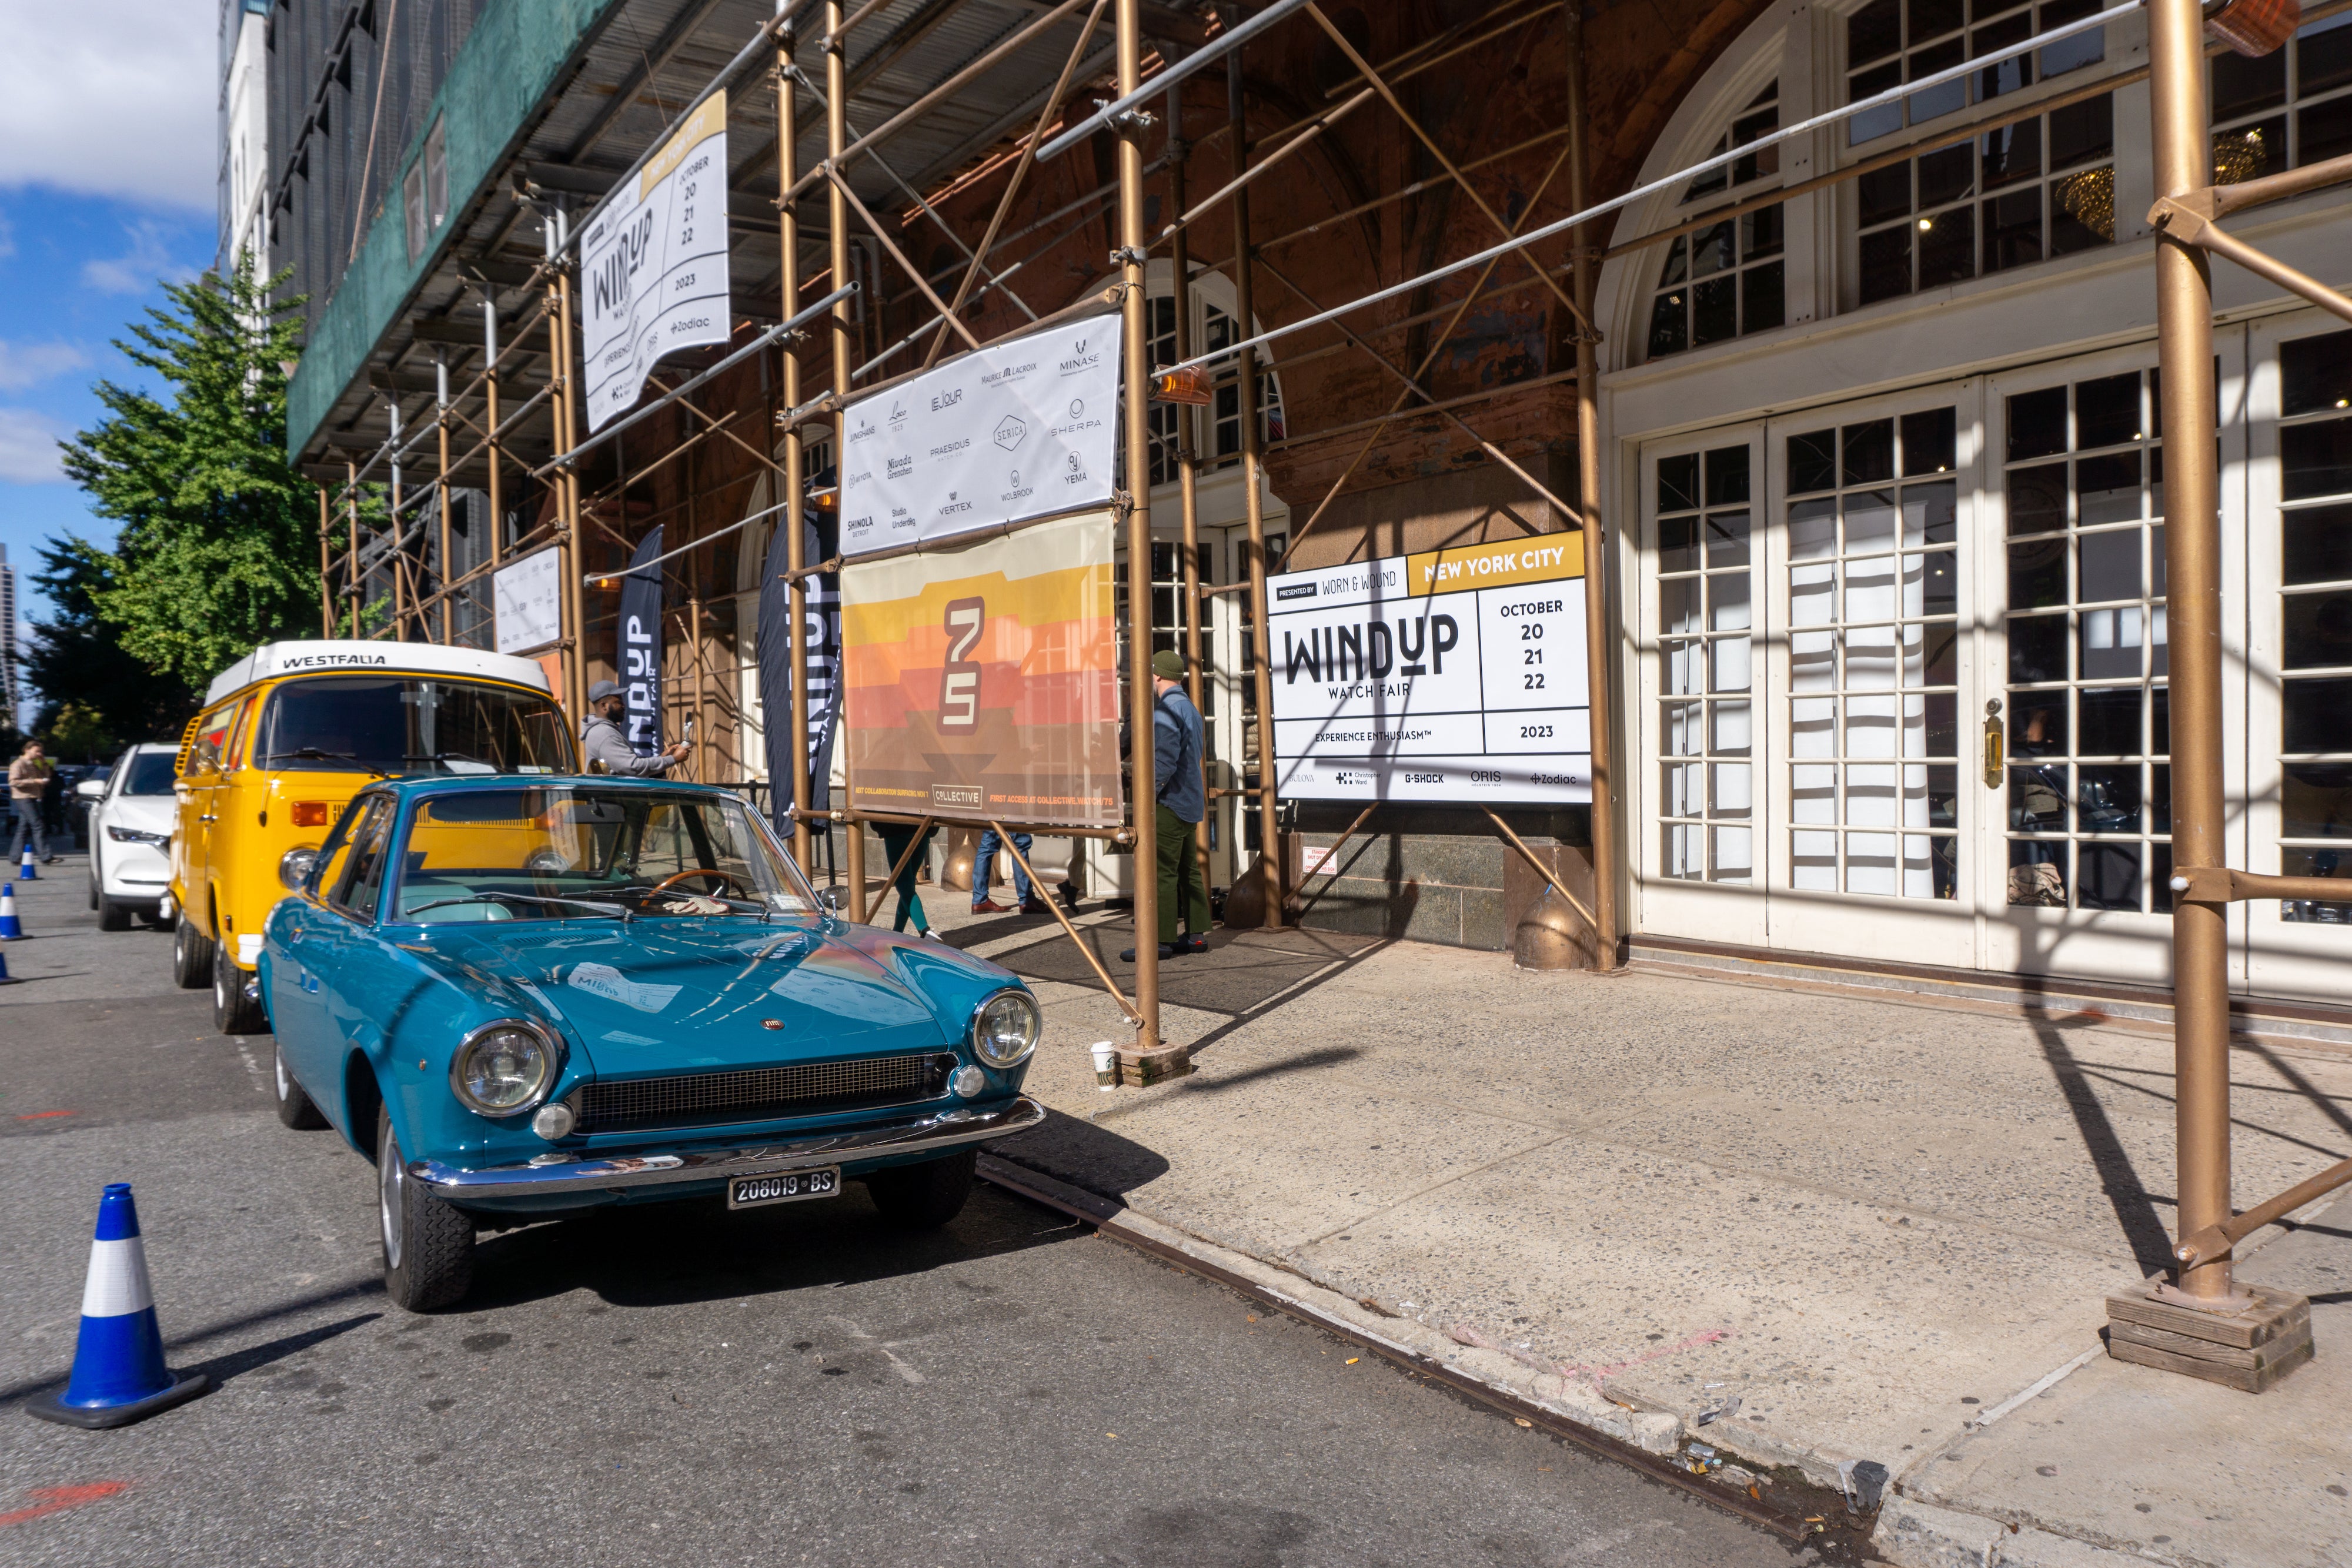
[604,980]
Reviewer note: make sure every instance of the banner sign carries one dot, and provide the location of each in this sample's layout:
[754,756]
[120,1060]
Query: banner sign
[984,682]
[653,264]
[1453,676]
[527,601]
[638,656]
[1016,430]
[774,645]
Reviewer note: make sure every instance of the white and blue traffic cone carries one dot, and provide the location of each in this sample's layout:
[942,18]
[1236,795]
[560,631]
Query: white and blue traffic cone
[26,869]
[5,978]
[10,929]
[118,1375]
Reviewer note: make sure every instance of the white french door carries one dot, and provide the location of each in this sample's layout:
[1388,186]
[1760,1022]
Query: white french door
[1806,665]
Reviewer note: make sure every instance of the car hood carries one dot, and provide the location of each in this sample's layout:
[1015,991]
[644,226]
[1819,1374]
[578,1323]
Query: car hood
[148,813]
[681,996]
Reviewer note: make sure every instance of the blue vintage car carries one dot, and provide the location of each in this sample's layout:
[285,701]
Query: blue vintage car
[528,996]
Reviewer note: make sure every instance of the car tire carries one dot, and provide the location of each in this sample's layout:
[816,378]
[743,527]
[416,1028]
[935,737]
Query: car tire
[428,1244]
[192,957]
[295,1108]
[233,1011]
[923,1196]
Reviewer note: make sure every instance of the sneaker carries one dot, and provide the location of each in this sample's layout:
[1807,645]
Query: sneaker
[933,936]
[990,907]
[1167,950]
[1193,942]
[53,860]
[1033,904]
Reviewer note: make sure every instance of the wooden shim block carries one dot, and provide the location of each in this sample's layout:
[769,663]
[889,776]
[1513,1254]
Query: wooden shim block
[2274,1316]
[1140,1070]
[2252,1380]
[2255,1358]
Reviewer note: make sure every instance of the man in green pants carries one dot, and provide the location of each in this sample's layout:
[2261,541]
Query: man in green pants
[1181,796]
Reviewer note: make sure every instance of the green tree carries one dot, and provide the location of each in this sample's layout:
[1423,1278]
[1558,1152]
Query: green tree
[218,548]
[78,659]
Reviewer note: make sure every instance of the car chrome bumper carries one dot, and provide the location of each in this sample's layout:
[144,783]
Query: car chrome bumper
[555,1176]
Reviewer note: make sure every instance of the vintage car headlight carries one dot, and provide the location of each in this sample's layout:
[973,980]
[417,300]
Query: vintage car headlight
[503,1069]
[1006,1029]
[294,866]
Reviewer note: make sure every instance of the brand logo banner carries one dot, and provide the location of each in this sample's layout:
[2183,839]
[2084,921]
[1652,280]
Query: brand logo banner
[1017,429]
[653,264]
[984,682]
[1454,675]
[639,654]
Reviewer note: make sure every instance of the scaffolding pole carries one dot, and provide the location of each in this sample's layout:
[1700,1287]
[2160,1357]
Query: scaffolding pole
[1137,392]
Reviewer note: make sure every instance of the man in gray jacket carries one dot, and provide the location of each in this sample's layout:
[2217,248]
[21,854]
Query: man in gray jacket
[601,741]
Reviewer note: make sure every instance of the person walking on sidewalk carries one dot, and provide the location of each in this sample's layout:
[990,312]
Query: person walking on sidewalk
[28,782]
[897,837]
[1180,798]
[602,742]
[984,867]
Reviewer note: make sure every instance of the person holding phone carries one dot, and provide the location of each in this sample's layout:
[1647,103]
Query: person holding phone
[605,750]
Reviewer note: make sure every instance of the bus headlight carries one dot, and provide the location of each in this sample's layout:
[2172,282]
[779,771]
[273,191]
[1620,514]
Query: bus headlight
[294,866]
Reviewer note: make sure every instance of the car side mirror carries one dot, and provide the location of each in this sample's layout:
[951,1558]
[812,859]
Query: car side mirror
[833,901]
[90,788]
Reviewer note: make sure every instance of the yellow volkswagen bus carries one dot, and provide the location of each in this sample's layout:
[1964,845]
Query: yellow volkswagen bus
[287,735]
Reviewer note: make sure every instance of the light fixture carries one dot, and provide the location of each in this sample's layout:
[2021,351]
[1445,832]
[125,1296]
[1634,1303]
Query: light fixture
[553,1122]
[1185,383]
[967,1082]
[503,1069]
[1926,223]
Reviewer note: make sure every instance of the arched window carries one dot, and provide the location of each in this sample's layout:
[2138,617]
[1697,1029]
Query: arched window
[2040,187]
[1726,280]
[1212,329]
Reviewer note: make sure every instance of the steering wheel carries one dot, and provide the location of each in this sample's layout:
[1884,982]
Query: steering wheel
[666,883]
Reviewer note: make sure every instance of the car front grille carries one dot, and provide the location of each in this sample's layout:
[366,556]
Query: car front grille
[759,1094]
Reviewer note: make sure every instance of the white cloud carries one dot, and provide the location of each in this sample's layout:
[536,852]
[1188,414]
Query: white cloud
[28,365]
[136,270]
[28,448]
[110,97]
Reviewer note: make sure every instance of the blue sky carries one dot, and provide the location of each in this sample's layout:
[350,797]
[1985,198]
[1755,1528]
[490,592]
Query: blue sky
[106,138]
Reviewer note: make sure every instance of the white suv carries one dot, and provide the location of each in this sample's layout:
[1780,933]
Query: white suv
[132,812]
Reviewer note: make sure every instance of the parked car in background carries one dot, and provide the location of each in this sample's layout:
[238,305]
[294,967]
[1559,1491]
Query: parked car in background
[68,806]
[526,999]
[287,735]
[129,816]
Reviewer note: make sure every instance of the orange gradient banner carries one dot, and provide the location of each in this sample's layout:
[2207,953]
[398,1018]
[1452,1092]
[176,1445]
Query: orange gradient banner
[982,683]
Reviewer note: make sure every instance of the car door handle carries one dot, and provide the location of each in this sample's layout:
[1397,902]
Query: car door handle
[207,818]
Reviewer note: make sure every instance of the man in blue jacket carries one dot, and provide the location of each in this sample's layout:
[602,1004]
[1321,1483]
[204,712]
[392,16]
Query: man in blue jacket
[1180,798]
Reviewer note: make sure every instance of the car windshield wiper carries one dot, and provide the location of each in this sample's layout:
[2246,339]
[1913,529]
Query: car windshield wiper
[312,754]
[615,911]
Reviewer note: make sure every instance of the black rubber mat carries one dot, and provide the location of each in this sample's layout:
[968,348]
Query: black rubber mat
[1241,971]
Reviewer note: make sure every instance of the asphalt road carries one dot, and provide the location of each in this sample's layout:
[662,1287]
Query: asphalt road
[784,1386]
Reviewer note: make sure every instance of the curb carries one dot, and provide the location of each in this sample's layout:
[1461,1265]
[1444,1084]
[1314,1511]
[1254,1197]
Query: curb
[1576,1412]
[1913,1534]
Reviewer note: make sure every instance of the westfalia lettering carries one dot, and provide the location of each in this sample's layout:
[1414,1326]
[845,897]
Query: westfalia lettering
[1371,652]
[333,660]
[1535,557]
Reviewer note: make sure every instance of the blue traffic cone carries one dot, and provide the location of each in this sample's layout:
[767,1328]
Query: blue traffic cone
[10,929]
[27,870]
[5,979]
[118,1375]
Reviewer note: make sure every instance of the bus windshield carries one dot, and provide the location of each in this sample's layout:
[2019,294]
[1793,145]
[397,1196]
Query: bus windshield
[410,723]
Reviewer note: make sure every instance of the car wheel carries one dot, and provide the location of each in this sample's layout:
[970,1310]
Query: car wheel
[295,1108]
[923,1196]
[192,955]
[233,1011]
[428,1244]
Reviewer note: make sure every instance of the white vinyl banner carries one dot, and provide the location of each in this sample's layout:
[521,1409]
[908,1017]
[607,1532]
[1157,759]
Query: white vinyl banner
[1453,676]
[527,601]
[653,264]
[1016,430]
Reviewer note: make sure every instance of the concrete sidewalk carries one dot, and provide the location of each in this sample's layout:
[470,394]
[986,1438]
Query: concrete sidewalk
[1877,1224]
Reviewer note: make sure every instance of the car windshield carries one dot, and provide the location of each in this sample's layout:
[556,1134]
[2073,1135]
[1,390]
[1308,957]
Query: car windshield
[572,853]
[404,724]
[149,774]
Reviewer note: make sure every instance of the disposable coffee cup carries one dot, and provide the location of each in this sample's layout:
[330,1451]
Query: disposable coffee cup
[1105,1065]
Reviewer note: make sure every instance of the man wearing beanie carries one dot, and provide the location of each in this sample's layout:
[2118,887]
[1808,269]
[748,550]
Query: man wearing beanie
[607,751]
[1180,798]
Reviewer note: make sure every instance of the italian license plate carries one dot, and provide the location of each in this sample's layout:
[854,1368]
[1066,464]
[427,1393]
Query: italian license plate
[784,1186]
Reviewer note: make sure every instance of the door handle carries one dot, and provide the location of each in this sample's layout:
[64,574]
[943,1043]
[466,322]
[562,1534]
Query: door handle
[1992,744]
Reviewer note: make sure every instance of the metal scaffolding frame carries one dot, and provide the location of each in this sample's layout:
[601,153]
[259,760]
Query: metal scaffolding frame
[2187,216]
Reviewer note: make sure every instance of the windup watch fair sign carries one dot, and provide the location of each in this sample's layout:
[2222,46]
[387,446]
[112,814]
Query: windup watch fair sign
[653,264]
[1454,675]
